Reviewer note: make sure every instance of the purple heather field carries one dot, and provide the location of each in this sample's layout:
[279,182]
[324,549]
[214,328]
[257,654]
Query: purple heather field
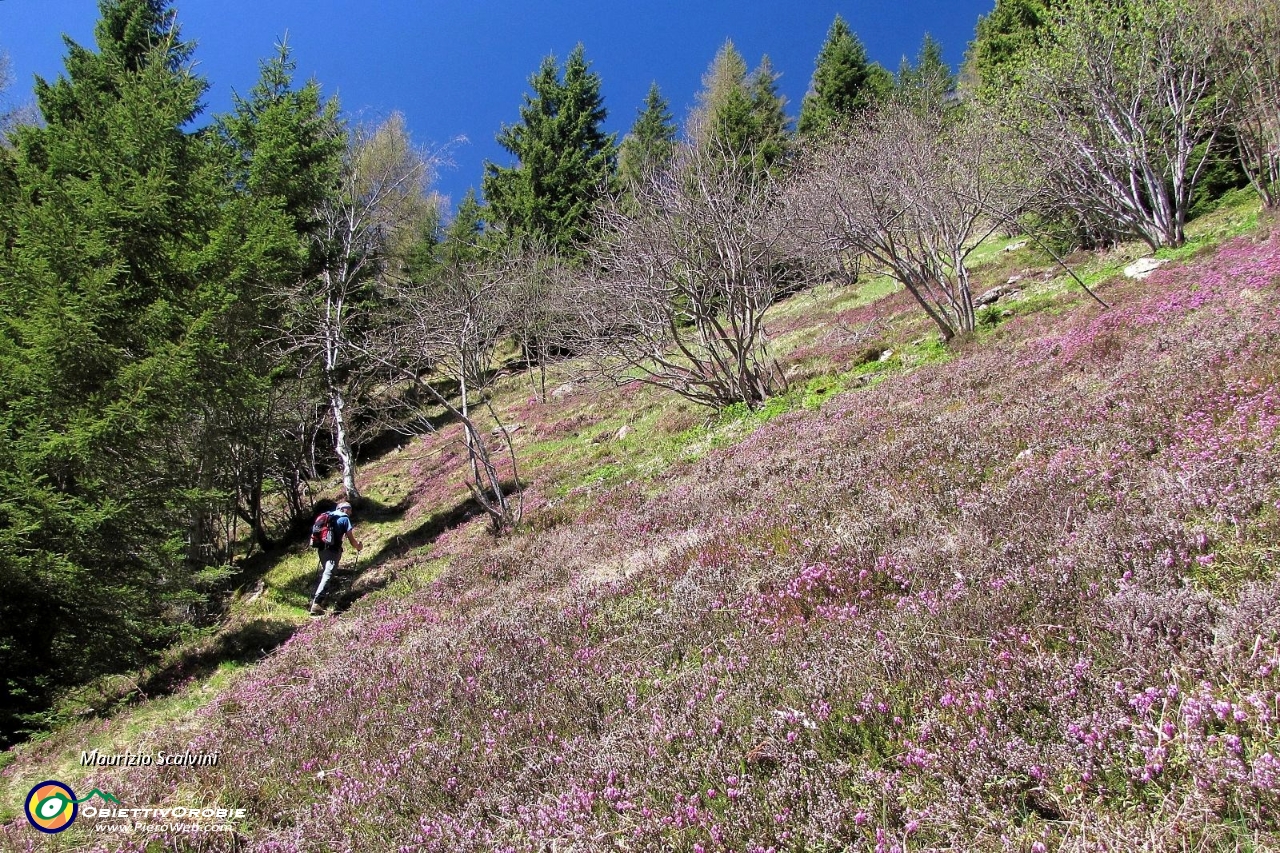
[1020,600]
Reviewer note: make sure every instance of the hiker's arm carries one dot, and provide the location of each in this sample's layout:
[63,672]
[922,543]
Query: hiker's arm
[351,537]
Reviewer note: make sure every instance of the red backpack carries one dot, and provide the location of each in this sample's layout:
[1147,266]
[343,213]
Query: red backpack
[323,531]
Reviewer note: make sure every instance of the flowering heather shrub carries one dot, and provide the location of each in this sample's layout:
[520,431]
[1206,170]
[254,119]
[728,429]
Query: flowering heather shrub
[1024,601]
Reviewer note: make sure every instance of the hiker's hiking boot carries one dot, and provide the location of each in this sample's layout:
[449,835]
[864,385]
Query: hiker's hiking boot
[316,609]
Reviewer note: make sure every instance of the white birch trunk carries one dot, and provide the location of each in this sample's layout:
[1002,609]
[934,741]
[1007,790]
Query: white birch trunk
[337,402]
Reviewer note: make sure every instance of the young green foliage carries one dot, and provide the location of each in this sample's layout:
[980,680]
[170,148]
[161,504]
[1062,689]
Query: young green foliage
[1002,40]
[369,230]
[460,243]
[739,114]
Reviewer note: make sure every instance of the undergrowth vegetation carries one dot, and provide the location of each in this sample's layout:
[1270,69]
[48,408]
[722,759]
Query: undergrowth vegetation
[1018,593]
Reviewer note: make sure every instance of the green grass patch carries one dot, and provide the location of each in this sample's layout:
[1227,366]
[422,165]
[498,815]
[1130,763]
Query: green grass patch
[730,425]
[289,584]
[931,350]
[407,581]
[1238,555]
[991,316]
[602,454]
[1237,213]
[57,756]
[818,304]
[820,389]
[603,473]
[1000,252]
[1035,302]
[871,290]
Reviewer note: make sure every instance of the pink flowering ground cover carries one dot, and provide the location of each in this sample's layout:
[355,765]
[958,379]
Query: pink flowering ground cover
[1025,600]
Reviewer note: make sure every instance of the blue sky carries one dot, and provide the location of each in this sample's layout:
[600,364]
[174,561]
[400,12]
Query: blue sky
[459,69]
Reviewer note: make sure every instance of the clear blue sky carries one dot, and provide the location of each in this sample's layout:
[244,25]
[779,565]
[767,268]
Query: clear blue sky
[459,69]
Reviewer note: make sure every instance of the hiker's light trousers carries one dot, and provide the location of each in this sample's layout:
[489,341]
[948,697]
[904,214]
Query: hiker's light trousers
[328,562]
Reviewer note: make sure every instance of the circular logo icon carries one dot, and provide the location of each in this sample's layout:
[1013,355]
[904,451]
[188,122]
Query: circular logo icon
[51,806]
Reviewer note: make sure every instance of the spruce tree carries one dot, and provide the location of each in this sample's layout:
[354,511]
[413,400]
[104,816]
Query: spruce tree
[930,80]
[463,242]
[845,82]
[281,150]
[565,158]
[109,347]
[739,114]
[651,141]
[768,109]
[287,143]
[460,244]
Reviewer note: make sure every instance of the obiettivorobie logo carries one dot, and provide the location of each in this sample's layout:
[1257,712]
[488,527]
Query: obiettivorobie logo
[52,806]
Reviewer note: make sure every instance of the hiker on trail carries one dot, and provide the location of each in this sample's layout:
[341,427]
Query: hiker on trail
[326,537]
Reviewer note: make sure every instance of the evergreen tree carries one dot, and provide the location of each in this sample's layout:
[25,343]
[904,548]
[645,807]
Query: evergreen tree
[464,237]
[565,157]
[844,83]
[282,150]
[651,141]
[739,113]
[287,145]
[768,109]
[107,351]
[930,79]
[460,244]
[422,255]
[1002,40]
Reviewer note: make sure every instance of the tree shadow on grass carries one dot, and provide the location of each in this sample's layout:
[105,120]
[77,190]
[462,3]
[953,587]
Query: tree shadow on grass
[242,643]
[242,639]
[371,510]
[356,581]
[253,570]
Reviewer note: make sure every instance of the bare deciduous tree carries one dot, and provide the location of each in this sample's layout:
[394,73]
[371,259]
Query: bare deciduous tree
[1250,56]
[448,328]
[383,191]
[913,189]
[11,115]
[540,311]
[1123,101]
[683,274]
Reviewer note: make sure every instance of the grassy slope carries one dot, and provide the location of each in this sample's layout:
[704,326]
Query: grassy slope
[1016,593]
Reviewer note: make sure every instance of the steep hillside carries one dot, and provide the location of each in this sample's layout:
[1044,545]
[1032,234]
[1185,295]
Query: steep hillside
[1016,595]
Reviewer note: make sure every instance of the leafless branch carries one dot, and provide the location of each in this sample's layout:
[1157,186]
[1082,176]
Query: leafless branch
[682,275]
[1126,105]
[914,188]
